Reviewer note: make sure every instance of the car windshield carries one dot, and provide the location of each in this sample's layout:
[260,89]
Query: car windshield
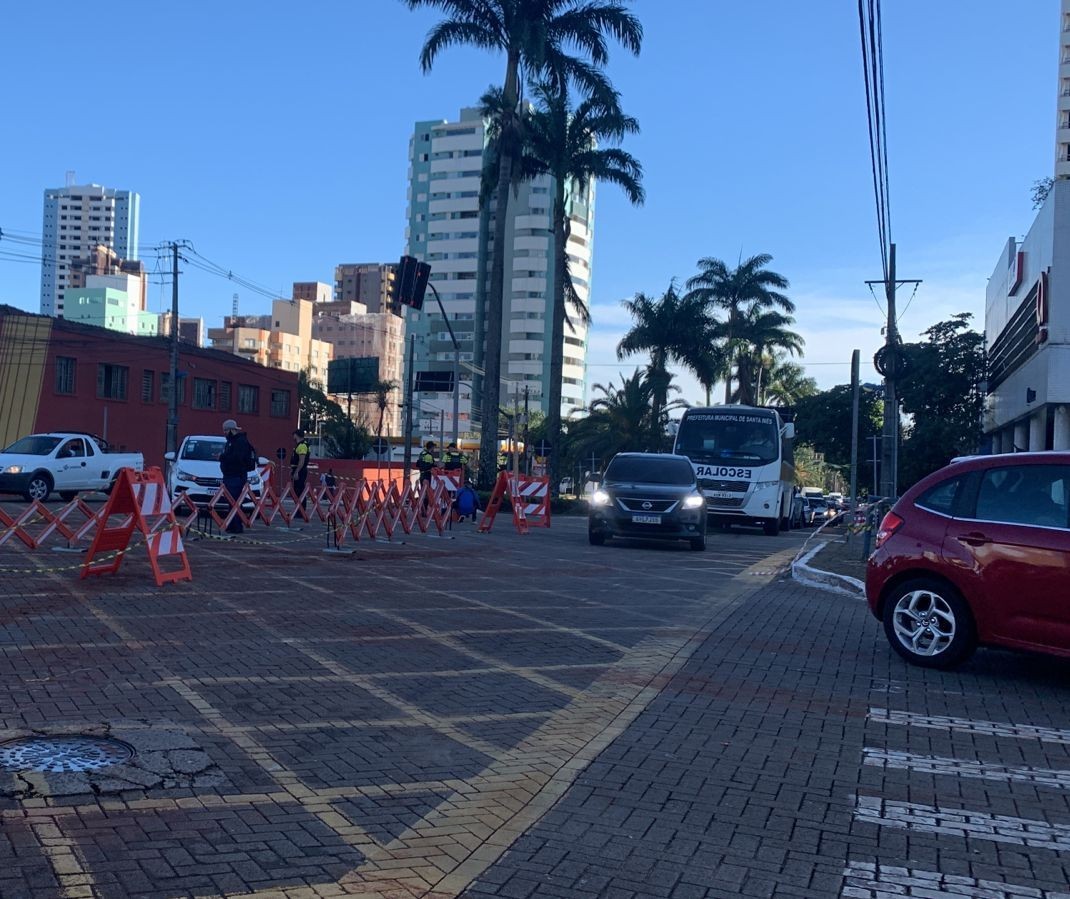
[203,450]
[637,470]
[37,445]
[820,503]
[729,435]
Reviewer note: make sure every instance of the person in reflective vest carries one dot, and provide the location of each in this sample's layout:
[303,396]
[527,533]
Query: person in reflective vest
[453,459]
[424,463]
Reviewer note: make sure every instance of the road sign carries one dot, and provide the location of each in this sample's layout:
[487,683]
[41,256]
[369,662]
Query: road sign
[280,453]
[434,381]
[352,374]
[380,446]
[543,448]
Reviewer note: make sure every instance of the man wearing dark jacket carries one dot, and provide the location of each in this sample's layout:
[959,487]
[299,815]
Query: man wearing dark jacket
[234,465]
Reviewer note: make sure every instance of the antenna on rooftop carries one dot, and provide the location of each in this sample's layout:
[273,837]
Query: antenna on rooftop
[70,178]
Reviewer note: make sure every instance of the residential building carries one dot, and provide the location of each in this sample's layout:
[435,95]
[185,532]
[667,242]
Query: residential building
[368,283]
[104,261]
[356,332]
[190,330]
[281,340]
[445,165]
[313,291]
[77,220]
[78,377]
[113,302]
[1027,310]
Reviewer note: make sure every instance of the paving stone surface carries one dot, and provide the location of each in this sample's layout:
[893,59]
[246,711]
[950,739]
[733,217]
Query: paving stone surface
[517,716]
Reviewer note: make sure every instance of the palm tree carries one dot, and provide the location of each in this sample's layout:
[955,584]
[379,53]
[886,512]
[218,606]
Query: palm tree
[533,35]
[785,382]
[736,291]
[760,331]
[382,390]
[672,329]
[564,144]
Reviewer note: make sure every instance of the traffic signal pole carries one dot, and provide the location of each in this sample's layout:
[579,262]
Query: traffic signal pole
[456,364]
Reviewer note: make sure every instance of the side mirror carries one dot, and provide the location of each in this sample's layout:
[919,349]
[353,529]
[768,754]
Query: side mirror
[263,460]
[788,431]
[170,457]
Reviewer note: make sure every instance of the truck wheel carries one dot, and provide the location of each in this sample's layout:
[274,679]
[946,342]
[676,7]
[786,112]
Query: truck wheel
[67,495]
[771,526]
[38,488]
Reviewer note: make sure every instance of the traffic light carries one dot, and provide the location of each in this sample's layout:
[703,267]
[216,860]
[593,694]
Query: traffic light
[410,283]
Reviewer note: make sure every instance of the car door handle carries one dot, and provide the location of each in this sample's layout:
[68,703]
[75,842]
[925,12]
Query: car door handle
[974,539]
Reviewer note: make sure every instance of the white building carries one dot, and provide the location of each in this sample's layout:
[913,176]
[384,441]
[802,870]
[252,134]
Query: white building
[77,220]
[1027,311]
[445,165]
[114,302]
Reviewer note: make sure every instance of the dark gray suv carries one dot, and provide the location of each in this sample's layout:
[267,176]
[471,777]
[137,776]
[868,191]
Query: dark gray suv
[648,495]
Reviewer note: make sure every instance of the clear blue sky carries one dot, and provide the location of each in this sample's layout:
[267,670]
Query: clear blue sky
[274,137]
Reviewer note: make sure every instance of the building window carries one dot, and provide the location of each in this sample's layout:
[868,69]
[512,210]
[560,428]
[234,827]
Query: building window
[280,403]
[224,396]
[111,381]
[248,398]
[148,379]
[65,367]
[203,393]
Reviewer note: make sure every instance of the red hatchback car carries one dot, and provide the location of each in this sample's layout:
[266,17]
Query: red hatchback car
[977,553]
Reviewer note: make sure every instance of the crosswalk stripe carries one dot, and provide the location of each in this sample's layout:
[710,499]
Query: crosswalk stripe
[864,880]
[963,823]
[969,726]
[934,764]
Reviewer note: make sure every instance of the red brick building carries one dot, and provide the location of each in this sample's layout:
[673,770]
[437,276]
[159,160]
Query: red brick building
[57,375]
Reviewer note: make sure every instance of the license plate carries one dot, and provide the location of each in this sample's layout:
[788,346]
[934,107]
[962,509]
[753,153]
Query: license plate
[722,494]
[646,519]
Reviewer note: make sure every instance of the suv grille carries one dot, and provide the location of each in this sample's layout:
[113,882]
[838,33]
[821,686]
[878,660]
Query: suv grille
[656,506]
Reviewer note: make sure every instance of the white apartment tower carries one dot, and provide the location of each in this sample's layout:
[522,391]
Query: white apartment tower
[77,220]
[445,165]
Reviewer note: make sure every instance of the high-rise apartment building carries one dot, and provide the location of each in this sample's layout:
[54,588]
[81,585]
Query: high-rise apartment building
[445,164]
[368,283]
[77,220]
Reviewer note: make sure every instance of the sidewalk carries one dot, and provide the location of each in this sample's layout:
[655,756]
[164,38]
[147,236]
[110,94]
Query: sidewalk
[832,559]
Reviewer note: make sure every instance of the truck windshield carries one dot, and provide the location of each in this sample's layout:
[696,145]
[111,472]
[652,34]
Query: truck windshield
[729,436]
[203,450]
[637,470]
[36,445]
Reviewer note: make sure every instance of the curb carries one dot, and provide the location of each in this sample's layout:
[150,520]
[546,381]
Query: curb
[843,584]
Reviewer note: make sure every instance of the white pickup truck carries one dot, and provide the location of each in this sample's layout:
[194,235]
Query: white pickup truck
[69,462]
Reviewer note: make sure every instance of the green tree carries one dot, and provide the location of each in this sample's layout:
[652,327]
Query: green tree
[785,382]
[823,421]
[749,287]
[760,332]
[340,437]
[535,36]
[941,392]
[570,146]
[670,329]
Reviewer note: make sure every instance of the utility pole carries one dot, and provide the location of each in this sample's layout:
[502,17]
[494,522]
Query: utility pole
[854,429]
[172,406]
[408,409]
[889,363]
[874,440]
[527,450]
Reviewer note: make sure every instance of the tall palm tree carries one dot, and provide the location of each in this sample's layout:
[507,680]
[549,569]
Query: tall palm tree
[666,328]
[785,382]
[761,331]
[749,284]
[382,391]
[535,37]
[565,144]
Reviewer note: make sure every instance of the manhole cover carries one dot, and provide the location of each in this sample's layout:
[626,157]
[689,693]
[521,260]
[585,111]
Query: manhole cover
[75,753]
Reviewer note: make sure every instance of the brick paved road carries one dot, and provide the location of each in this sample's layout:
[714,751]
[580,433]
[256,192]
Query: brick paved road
[382,724]
[515,717]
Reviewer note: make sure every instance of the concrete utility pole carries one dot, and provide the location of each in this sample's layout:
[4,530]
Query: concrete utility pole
[408,409]
[172,406]
[854,429]
[889,363]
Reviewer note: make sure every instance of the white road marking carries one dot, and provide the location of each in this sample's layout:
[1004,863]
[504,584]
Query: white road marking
[969,726]
[934,764]
[963,823]
[864,880]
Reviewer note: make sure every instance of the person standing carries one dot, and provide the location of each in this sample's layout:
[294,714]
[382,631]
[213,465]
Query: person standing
[454,461]
[235,462]
[299,465]
[424,463]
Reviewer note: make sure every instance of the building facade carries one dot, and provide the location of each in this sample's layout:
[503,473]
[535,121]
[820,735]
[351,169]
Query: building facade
[76,377]
[445,165]
[113,302]
[77,220]
[367,283]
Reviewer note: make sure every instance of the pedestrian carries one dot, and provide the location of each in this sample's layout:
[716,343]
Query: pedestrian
[424,463]
[454,460]
[235,462]
[299,465]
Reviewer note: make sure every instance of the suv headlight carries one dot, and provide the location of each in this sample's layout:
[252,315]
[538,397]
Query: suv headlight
[183,475]
[600,498]
[694,501]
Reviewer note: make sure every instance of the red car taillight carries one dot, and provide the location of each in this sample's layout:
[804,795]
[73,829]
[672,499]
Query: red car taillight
[889,525]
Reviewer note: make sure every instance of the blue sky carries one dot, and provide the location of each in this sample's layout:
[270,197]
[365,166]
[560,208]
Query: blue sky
[276,142]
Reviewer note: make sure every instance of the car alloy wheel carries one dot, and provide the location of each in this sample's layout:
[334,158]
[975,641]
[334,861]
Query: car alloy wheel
[928,624]
[38,489]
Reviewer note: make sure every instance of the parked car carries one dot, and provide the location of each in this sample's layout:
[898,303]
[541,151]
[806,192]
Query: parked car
[797,518]
[194,470]
[977,553]
[649,495]
[68,461]
[818,511]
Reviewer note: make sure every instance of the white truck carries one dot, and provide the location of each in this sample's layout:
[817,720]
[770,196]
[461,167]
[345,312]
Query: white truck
[66,461]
